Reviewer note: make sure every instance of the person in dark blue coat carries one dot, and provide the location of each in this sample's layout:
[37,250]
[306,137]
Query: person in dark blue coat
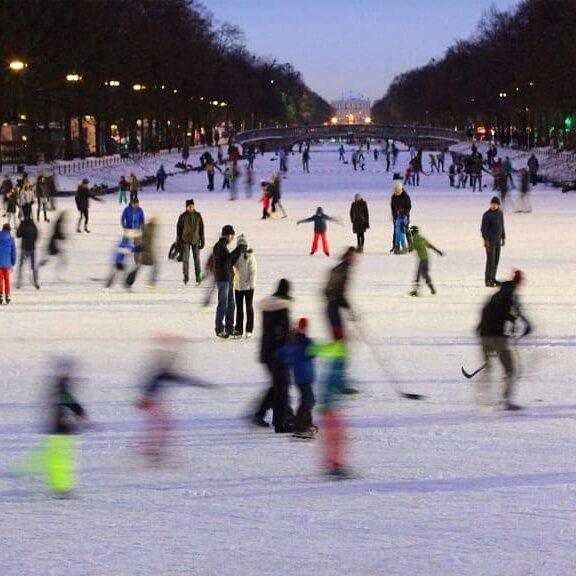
[299,354]
[494,236]
[161,178]
[320,228]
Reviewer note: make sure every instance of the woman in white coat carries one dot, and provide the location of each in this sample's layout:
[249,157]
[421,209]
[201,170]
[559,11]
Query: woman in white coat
[244,285]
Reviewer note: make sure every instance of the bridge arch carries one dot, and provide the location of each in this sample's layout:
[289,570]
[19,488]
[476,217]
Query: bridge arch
[419,136]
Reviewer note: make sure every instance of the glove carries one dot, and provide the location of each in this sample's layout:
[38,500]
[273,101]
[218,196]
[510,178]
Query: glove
[503,242]
[440,253]
[486,243]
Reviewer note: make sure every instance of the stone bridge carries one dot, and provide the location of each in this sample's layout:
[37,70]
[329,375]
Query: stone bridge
[427,137]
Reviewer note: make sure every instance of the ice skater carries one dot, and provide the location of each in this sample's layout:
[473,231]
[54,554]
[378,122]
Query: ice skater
[497,325]
[159,422]
[421,246]
[7,262]
[320,228]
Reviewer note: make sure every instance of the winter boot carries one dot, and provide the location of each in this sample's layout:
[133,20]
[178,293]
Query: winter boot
[432,289]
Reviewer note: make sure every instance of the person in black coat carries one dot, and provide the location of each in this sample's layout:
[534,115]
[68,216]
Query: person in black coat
[497,322]
[400,207]
[83,195]
[494,236]
[28,232]
[360,219]
[275,335]
[224,276]
[335,293]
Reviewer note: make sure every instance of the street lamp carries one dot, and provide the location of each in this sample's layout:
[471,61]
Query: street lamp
[73,79]
[17,65]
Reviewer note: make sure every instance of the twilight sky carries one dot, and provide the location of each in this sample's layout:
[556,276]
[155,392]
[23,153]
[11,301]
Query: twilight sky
[353,45]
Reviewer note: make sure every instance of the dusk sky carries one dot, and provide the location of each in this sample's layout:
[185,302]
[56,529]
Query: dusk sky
[353,45]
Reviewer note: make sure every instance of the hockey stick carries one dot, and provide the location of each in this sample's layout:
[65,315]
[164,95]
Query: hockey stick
[385,367]
[472,374]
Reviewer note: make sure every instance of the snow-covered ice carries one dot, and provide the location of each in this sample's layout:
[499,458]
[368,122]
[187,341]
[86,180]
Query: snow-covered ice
[441,489]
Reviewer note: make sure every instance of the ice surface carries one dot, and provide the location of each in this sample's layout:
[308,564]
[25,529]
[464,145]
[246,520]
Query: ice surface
[441,489]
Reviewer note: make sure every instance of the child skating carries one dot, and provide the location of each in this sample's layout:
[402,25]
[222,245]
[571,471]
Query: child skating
[299,354]
[421,246]
[320,228]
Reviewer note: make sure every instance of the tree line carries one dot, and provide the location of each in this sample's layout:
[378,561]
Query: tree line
[513,80]
[160,73]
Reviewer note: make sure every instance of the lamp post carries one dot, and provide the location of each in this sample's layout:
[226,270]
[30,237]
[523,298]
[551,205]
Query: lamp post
[16,67]
[73,78]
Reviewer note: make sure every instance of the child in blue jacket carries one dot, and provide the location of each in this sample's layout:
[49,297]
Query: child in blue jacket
[298,353]
[320,228]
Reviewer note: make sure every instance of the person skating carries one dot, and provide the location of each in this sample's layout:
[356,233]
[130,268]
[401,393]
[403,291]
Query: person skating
[133,186]
[119,264]
[360,218]
[494,236]
[161,178]
[276,195]
[123,187]
[245,271]
[159,421]
[5,188]
[524,195]
[400,207]
[28,233]
[335,293]
[7,262]
[533,166]
[147,254]
[299,354]
[265,200]
[421,246]
[497,323]
[61,445]
[57,238]
[42,197]
[333,387]
[133,221]
[320,228]
[224,276]
[83,195]
[275,333]
[190,237]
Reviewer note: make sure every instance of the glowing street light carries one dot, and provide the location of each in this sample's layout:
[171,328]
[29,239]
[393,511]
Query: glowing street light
[17,65]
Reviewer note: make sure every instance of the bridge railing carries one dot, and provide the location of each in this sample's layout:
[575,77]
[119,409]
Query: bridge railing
[296,133]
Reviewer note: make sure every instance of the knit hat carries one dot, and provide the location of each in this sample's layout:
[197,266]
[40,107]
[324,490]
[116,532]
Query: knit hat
[228,230]
[241,240]
[495,200]
[302,324]
[518,277]
[6,228]
[283,289]
[357,197]
[319,210]
[397,176]
[414,229]
[85,181]
[189,202]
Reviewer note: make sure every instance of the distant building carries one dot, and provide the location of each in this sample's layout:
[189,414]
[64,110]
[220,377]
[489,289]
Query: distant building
[351,108]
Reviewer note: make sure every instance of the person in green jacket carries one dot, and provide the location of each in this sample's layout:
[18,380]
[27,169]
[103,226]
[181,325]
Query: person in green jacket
[421,246]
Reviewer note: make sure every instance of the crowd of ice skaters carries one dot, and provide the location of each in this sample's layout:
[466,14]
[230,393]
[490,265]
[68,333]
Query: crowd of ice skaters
[286,350]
